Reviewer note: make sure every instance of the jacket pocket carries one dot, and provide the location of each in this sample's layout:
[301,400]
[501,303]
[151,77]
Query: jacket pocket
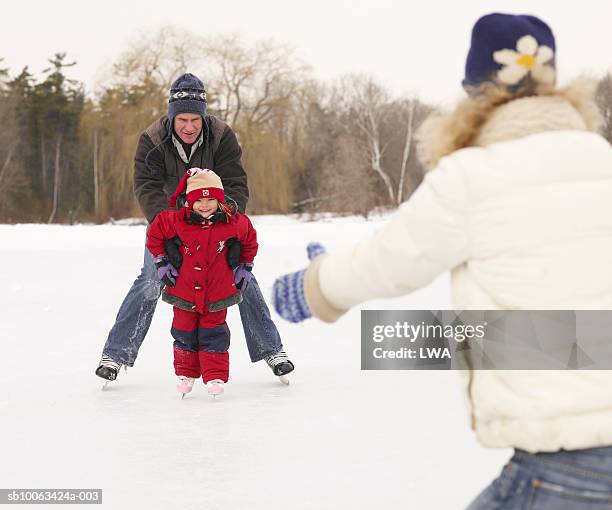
[552,496]
[509,483]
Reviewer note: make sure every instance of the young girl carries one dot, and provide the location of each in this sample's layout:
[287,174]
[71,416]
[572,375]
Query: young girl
[206,285]
[518,209]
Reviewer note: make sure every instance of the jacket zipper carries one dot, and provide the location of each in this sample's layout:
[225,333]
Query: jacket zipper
[210,227]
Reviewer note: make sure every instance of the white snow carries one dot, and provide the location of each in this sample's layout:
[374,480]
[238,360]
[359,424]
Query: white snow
[336,438]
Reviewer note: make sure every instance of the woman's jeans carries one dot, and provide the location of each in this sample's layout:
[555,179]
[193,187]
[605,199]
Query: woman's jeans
[565,480]
[136,313]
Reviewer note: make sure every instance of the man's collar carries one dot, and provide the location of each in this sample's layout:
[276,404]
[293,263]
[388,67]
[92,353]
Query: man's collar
[181,151]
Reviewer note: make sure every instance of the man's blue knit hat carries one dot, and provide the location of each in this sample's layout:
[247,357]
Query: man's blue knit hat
[510,50]
[187,95]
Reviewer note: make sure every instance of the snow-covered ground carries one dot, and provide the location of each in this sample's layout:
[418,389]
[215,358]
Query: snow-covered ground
[336,438]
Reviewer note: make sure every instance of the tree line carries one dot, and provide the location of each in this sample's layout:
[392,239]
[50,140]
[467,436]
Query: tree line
[346,147]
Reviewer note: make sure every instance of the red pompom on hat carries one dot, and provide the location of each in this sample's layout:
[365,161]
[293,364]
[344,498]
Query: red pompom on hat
[198,183]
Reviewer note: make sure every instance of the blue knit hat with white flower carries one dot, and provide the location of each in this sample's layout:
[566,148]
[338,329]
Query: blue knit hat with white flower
[187,95]
[512,51]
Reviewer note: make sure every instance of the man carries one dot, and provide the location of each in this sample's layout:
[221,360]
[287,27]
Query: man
[187,137]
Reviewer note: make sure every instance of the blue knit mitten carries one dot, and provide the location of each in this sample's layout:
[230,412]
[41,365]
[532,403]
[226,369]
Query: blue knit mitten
[288,291]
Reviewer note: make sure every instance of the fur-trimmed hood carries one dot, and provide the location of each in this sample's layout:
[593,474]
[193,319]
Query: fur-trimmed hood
[495,115]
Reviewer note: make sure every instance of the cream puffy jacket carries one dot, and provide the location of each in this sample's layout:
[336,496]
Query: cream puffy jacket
[522,223]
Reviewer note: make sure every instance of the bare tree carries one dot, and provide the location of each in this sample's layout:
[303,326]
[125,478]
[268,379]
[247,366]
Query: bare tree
[367,101]
[96,174]
[152,60]
[57,178]
[406,151]
[385,128]
[5,165]
[251,85]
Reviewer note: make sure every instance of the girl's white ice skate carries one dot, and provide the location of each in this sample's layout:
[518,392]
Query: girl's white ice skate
[215,387]
[185,385]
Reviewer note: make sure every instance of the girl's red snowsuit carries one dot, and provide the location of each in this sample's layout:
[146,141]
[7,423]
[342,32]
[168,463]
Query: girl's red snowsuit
[204,288]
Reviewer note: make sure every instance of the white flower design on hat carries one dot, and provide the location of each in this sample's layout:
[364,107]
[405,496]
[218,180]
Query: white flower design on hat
[529,57]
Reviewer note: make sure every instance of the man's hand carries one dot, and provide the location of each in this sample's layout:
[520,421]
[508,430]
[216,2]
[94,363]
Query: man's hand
[243,275]
[166,271]
[174,255]
[232,247]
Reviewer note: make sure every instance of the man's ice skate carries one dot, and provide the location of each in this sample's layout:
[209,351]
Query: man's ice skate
[185,385]
[280,365]
[108,369]
[215,387]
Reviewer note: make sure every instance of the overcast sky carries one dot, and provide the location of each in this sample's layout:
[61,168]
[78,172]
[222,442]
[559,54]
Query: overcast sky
[412,46]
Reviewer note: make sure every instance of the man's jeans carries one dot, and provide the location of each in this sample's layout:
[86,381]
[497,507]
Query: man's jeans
[565,480]
[136,313]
